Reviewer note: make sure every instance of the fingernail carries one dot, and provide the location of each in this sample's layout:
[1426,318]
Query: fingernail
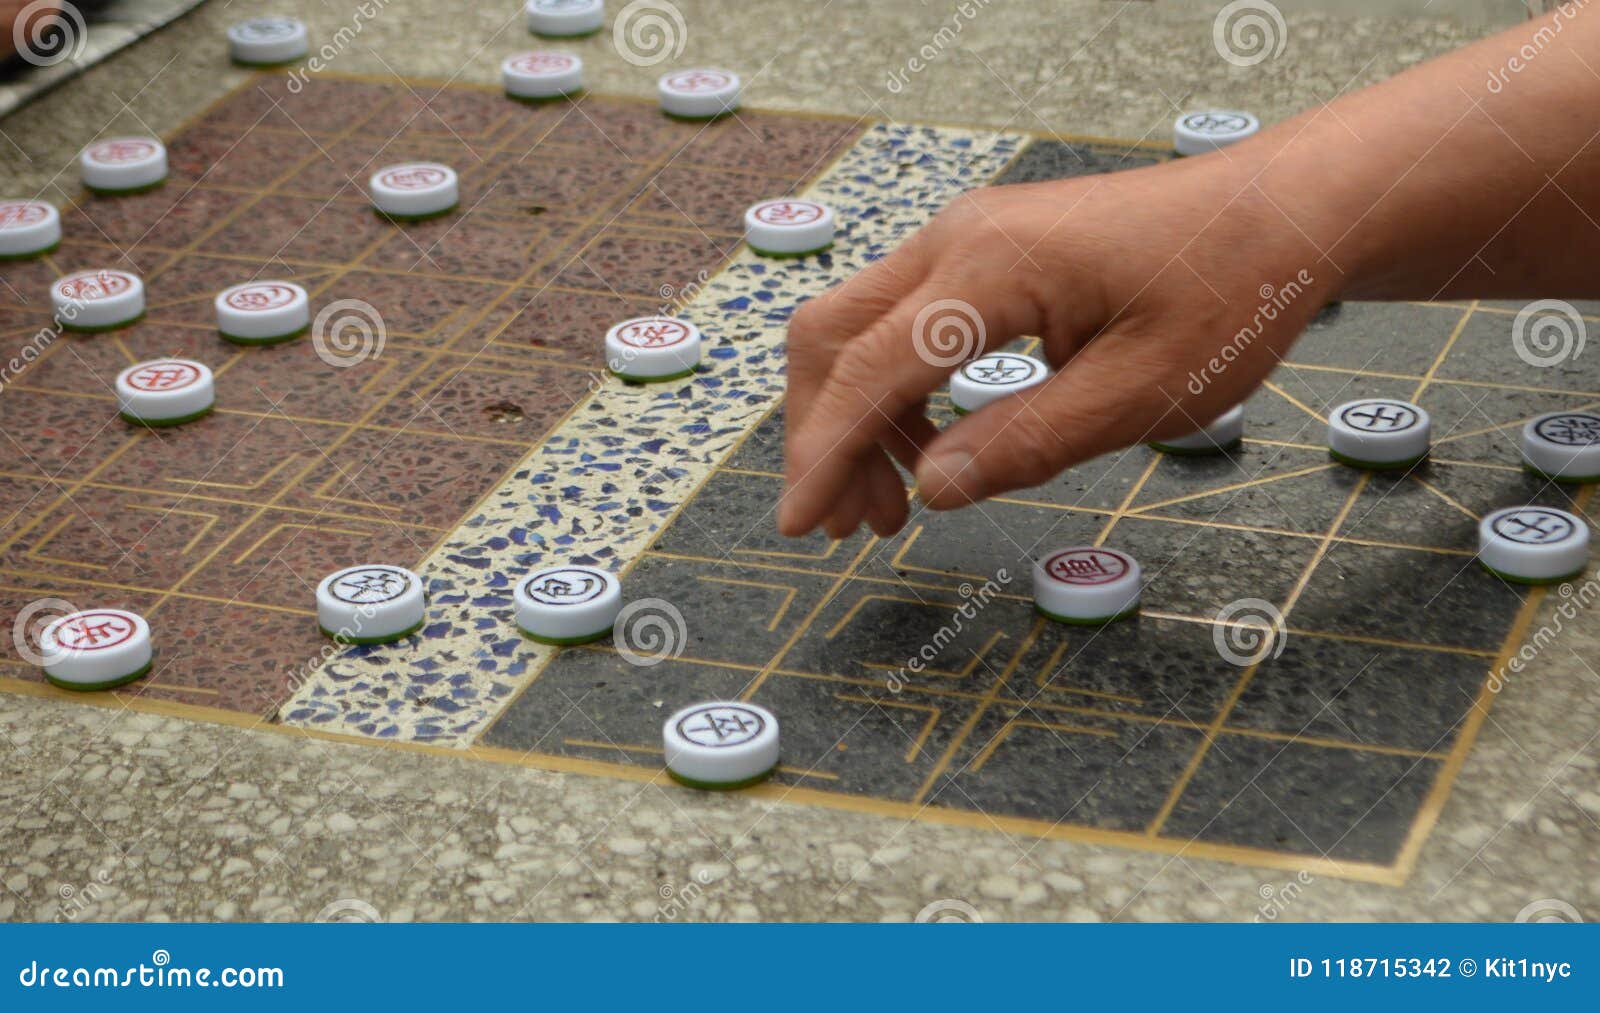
[945,471]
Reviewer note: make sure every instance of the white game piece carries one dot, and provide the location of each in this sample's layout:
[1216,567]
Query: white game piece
[1221,435]
[788,228]
[541,74]
[565,18]
[263,312]
[28,228]
[123,165]
[414,190]
[702,94]
[652,349]
[165,392]
[97,300]
[96,649]
[721,744]
[1199,132]
[1378,434]
[267,41]
[1086,585]
[370,604]
[1533,544]
[567,604]
[1564,446]
[988,378]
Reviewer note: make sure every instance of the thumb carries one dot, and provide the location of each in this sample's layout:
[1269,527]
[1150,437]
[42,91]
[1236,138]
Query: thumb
[1099,402]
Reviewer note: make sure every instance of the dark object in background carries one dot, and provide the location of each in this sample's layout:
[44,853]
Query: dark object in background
[42,32]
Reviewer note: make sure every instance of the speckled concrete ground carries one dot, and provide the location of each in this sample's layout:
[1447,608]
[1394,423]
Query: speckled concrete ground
[105,813]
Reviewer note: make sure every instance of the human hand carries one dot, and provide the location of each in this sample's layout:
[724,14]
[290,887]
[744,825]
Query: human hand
[1135,283]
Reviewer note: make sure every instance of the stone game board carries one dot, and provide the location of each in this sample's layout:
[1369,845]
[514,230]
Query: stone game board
[483,441]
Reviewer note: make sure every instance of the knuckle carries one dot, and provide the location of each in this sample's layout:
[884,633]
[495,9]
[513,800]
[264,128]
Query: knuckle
[858,364]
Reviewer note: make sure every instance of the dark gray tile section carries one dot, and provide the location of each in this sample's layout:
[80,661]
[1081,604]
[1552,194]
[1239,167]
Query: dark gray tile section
[1340,803]
[1067,770]
[1327,747]
[1370,694]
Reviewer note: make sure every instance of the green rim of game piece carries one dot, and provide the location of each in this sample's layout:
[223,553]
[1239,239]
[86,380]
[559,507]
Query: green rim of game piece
[1211,451]
[1377,465]
[1566,479]
[769,254]
[568,35]
[274,65]
[699,119]
[164,423]
[1087,622]
[275,339]
[1532,581]
[369,641]
[90,687]
[42,251]
[689,782]
[650,380]
[99,328]
[407,219]
[566,641]
[100,191]
[544,100]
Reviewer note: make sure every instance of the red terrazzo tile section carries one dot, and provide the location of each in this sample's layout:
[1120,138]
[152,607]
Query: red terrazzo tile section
[476,280]
[321,105]
[169,218]
[407,475]
[279,557]
[636,262]
[300,228]
[235,456]
[715,202]
[418,305]
[292,379]
[90,363]
[463,396]
[142,539]
[58,437]
[542,324]
[477,118]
